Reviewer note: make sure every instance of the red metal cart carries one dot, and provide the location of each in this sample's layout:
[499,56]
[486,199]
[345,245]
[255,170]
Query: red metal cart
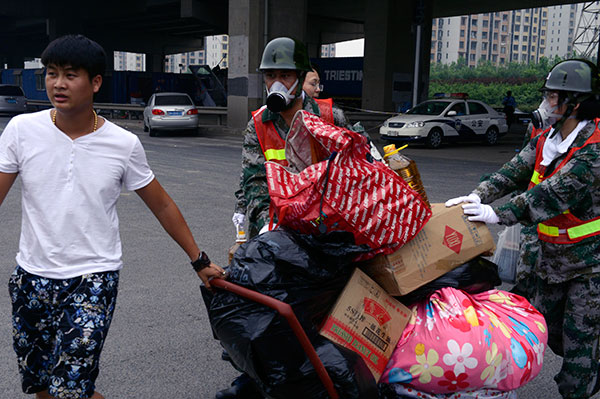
[285,311]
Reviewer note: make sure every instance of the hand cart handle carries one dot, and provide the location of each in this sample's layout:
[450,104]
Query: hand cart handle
[286,311]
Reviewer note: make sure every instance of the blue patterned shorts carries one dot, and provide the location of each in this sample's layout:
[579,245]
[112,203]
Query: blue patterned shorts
[59,328]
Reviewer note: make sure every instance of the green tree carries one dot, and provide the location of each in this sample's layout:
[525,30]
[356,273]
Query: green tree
[489,83]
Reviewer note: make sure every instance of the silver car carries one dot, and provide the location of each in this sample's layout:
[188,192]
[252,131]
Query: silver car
[170,111]
[12,100]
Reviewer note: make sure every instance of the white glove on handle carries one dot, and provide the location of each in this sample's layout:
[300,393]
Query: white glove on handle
[480,213]
[238,219]
[474,198]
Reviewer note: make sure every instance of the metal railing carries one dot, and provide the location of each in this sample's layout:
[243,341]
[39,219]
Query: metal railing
[135,111]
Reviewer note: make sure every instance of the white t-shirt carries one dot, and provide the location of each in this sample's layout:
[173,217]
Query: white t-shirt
[69,193]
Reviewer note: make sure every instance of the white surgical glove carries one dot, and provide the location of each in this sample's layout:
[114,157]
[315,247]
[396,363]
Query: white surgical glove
[264,229]
[474,198]
[480,213]
[238,219]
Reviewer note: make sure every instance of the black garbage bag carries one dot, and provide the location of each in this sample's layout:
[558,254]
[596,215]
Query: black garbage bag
[308,273]
[474,276]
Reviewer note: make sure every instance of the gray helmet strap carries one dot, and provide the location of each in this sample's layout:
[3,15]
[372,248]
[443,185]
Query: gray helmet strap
[301,77]
[558,125]
[572,101]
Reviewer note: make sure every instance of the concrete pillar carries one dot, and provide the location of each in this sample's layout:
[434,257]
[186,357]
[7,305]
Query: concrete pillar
[155,62]
[52,28]
[287,18]
[110,59]
[64,25]
[13,61]
[248,34]
[246,41]
[389,61]
[313,42]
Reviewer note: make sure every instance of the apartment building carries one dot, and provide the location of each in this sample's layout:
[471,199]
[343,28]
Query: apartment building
[562,27]
[178,63]
[472,37]
[215,52]
[529,30]
[125,61]
[328,50]
[523,35]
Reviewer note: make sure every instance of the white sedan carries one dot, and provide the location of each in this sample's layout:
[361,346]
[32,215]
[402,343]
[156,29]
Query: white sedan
[435,121]
[170,111]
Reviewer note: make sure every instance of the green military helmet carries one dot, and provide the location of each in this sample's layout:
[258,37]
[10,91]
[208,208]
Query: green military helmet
[285,53]
[576,76]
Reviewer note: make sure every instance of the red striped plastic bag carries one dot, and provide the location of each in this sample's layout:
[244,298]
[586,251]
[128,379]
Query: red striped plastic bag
[333,184]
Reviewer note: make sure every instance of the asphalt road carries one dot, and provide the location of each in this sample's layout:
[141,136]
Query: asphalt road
[160,345]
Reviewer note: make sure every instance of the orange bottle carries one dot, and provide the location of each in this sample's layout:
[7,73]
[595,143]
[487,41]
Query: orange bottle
[406,168]
[240,238]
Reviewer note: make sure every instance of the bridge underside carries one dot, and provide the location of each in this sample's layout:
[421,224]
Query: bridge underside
[161,27]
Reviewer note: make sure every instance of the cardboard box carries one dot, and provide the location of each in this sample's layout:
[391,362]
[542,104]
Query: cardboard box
[366,320]
[447,241]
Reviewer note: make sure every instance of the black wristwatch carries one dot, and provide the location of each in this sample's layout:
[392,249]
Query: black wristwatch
[201,263]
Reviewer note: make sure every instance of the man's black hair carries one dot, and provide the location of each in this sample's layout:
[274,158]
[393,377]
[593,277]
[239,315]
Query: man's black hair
[76,51]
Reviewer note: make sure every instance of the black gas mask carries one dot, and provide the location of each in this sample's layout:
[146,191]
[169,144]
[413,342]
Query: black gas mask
[279,97]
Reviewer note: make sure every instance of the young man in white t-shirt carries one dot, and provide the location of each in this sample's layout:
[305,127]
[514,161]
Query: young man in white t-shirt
[73,165]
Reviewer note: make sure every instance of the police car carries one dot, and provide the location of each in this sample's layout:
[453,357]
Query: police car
[446,117]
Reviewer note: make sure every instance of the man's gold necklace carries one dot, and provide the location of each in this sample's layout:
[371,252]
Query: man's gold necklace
[95,119]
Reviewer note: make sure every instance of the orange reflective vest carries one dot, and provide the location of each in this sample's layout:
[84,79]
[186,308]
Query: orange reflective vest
[271,143]
[564,228]
[536,131]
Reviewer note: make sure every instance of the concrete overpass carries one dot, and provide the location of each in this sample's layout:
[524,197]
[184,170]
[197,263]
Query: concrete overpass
[154,27]
[161,27]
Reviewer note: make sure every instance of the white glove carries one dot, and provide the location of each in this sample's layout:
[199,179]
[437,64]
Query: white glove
[473,198]
[480,213]
[264,229]
[238,219]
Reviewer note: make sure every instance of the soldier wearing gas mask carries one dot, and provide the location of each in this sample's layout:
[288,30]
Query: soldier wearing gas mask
[547,115]
[569,91]
[557,178]
[284,66]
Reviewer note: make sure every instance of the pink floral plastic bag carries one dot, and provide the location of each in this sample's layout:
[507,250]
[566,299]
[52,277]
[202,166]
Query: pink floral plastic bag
[457,342]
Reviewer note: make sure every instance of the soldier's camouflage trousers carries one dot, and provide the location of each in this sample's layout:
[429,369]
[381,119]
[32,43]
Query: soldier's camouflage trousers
[528,253]
[572,312]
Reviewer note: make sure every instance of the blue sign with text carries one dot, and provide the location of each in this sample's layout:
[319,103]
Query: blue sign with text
[340,77]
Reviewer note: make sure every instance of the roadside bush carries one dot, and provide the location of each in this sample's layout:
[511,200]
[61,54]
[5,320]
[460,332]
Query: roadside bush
[527,95]
[489,83]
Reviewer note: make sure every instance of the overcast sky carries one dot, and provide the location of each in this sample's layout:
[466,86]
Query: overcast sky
[351,48]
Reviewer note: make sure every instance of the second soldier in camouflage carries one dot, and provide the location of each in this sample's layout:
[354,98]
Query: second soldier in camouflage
[558,176]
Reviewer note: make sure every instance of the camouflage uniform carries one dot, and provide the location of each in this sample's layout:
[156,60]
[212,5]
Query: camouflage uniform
[528,246]
[527,137]
[253,194]
[566,284]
